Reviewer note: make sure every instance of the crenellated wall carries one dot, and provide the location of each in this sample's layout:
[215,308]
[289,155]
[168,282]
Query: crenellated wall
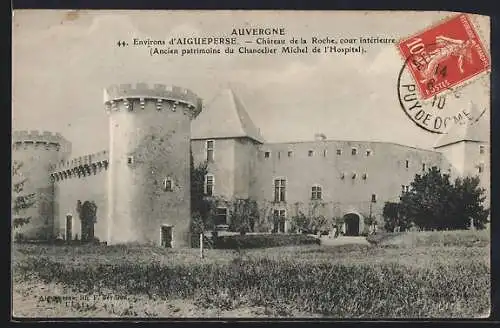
[82,179]
[38,151]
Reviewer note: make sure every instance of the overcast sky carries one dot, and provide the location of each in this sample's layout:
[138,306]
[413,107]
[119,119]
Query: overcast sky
[62,62]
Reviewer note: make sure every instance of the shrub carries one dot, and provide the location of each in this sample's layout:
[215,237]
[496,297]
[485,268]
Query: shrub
[263,241]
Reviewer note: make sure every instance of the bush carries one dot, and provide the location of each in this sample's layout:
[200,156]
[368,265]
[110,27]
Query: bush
[263,241]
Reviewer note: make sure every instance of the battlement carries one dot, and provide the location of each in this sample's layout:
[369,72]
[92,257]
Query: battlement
[35,137]
[156,91]
[89,159]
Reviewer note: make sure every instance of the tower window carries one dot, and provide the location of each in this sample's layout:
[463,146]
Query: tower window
[310,153]
[267,154]
[354,151]
[167,184]
[130,160]
[210,150]
[339,151]
[290,153]
[481,149]
[407,164]
[316,192]
[209,185]
[279,189]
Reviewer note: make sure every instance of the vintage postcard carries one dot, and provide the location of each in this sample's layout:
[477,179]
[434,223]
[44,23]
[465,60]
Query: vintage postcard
[250,164]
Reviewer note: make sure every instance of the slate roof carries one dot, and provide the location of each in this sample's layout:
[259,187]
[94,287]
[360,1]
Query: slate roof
[225,117]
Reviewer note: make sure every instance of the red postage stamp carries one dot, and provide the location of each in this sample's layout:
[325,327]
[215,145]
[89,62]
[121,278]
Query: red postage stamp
[444,56]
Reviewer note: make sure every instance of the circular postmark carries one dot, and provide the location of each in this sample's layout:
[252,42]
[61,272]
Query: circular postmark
[439,113]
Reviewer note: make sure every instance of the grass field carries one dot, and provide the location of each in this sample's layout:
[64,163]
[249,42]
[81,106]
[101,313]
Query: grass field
[406,275]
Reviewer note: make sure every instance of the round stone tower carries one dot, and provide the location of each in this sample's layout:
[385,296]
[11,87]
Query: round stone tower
[37,152]
[149,152]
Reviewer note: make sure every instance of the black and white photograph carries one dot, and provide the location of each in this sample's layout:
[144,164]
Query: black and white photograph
[250,164]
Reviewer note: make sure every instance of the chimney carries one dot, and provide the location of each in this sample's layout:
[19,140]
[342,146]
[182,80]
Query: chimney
[320,137]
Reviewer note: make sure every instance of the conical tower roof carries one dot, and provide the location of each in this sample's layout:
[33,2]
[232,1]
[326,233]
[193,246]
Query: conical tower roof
[476,130]
[225,117]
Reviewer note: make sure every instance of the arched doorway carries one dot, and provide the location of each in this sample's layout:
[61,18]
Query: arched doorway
[352,224]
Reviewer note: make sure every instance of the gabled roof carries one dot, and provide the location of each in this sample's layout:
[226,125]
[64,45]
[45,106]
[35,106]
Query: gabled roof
[225,117]
[476,130]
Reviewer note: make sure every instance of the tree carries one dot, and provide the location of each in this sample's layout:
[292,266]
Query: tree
[244,215]
[20,201]
[433,202]
[201,207]
[393,217]
[467,203]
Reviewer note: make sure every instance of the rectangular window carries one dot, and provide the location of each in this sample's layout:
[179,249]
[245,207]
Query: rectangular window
[364,176]
[209,185]
[481,149]
[167,184]
[267,154]
[130,160]
[279,190]
[316,193]
[354,151]
[374,198]
[407,164]
[403,188]
[279,217]
[290,153]
[339,151]
[220,215]
[368,152]
[210,151]
[480,168]
[310,153]
[279,155]
[423,167]
[324,152]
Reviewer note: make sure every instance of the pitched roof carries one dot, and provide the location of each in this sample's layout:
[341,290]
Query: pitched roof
[476,130]
[225,117]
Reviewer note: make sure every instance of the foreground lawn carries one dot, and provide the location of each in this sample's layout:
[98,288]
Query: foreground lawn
[387,279]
